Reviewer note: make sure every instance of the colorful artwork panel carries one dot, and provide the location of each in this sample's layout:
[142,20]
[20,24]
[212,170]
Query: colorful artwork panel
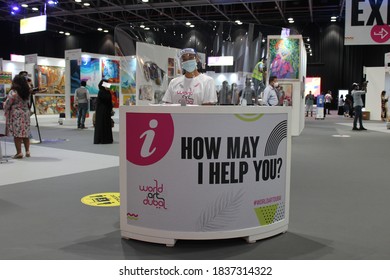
[90,72]
[285,94]
[128,76]
[5,78]
[114,90]
[284,58]
[129,99]
[74,76]
[51,79]
[49,105]
[110,70]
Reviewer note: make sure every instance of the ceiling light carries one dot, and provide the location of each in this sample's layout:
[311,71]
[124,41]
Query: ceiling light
[105,31]
[87,4]
[145,1]
[308,39]
[100,29]
[147,28]
[142,26]
[77,1]
[51,2]
[192,26]
[263,40]
[188,23]
[15,8]
[67,33]
[290,19]
[35,9]
[333,17]
[332,20]
[24,5]
[61,32]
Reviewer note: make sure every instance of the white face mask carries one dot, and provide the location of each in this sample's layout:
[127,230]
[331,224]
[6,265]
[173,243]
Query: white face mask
[276,84]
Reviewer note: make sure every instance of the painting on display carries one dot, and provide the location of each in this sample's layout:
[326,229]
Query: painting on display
[110,70]
[129,99]
[49,105]
[284,58]
[128,74]
[74,76]
[5,78]
[73,109]
[285,94]
[2,91]
[313,84]
[90,73]
[114,90]
[51,79]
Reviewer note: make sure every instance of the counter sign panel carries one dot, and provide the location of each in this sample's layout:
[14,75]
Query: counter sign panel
[367,22]
[205,172]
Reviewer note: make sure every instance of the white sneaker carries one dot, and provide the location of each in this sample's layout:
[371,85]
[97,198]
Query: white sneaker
[33,141]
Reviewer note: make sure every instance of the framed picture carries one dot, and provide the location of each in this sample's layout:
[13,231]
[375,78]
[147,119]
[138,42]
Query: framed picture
[285,94]
[284,58]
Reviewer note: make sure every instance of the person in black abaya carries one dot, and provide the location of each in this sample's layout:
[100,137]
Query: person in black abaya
[103,125]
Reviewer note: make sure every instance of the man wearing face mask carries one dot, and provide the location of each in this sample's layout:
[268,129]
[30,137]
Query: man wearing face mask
[193,87]
[270,97]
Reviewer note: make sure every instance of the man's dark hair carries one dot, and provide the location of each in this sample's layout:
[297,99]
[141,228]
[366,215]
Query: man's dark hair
[272,78]
[83,83]
[23,73]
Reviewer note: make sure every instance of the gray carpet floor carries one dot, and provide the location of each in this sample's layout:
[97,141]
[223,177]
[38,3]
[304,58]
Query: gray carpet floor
[338,208]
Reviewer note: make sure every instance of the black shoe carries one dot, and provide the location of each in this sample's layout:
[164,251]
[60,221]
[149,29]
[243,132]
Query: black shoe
[362,128]
[355,128]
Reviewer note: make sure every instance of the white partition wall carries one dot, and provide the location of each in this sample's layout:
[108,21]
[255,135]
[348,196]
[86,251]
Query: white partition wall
[376,83]
[287,60]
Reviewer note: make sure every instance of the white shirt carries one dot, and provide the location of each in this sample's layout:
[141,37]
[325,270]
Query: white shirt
[197,91]
[270,98]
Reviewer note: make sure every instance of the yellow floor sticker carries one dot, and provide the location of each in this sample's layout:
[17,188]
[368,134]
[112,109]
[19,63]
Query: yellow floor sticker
[102,199]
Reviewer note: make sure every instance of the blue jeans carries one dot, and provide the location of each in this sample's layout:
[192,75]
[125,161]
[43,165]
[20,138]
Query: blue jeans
[81,113]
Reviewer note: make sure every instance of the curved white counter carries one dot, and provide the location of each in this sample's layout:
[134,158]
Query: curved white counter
[207,172]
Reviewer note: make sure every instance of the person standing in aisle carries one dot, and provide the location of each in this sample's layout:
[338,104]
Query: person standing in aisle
[17,114]
[192,88]
[270,97]
[247,94]
[384,100]
[103,122]
[358,104]
[258,76]
[348,105]
[309,101]
[328,101]
[81,101]
[341,105]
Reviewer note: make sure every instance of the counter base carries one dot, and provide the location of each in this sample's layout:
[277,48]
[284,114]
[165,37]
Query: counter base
[170,242]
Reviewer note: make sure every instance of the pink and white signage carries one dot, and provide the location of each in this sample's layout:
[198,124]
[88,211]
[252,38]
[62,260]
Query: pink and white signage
[202,173]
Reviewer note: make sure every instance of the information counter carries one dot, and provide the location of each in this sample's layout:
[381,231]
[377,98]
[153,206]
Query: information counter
[204,172]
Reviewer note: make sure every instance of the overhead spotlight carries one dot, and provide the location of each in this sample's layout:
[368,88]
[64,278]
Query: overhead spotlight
[192,26]
[333,17]
[263,40]
[15,8]
[87,4]
[308,39]
[77,1]
[188,23]
[24,5]
[52,2]
[61,32]
[147,28]
[142,26]
[290,19]
[100,29]
[35,9]
[238,22]
[333,20]
[105,31]
[67,34]
[145,1]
